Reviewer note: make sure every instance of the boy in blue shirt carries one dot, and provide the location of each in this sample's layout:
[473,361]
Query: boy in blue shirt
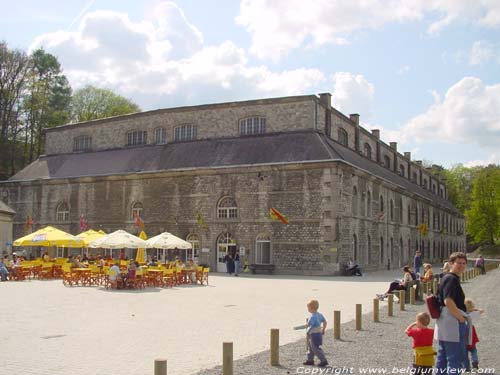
[316,326]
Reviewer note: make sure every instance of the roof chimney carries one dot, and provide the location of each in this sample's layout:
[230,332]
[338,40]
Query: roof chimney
[408,155]
[326,99]
[394,145]
[354,118]
[419,162]
[376,133]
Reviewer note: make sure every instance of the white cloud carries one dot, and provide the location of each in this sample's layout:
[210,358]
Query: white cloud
[494,158]
[164,61]
[468,114]
[483,52]
[278,26]
[403,70]
[352,94]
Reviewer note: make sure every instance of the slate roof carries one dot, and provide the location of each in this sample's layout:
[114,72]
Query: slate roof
[276,148]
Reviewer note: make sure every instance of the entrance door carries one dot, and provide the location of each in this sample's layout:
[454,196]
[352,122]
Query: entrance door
[225,244]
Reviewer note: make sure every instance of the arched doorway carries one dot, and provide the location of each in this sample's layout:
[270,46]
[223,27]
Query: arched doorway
[225,244]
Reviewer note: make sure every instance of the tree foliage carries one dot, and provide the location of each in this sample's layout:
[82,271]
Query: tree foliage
[484,213]
[91,103]
[35,95]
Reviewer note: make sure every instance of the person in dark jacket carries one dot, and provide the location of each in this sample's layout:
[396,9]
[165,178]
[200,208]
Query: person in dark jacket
[228,259]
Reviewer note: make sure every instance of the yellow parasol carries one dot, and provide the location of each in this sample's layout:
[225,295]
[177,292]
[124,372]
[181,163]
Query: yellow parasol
[140,252]
[49,236]
[90,235]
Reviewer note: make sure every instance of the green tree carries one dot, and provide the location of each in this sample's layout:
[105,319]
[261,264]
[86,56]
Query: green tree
[483,215]
[459,180]
[91,103]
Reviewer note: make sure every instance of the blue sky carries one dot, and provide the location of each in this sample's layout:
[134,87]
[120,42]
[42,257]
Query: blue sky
[427,73]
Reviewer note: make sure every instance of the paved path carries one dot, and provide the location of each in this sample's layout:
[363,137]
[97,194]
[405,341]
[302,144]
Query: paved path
[49,329]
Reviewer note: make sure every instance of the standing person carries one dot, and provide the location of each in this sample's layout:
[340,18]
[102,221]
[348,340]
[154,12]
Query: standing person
[474,313]
[480,264]
[417,262]
[422,344]
[236,262]
[451,327]
[4,272]
[316,326]
[228,259]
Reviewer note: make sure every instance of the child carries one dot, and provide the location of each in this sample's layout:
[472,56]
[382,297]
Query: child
[474,313]
[422,343]
[316,326]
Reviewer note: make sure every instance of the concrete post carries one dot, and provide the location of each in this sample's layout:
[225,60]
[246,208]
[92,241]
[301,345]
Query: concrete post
[336,325]
[375,310]
[160,366]
[275,347]
[227,358]
[358,317]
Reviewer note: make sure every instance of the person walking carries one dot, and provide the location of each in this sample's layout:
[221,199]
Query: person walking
[417,262]
[451,326]
[480,264]
[236,262]
[228,259]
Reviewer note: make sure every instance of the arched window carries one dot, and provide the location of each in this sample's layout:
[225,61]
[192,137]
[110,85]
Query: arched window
[82,143]
[137,210]
[263,249]
[368,203]
[381,250]
[381,204]
[160,136]
[342,137]
[355,248]
[416,215]
[369,250]
[425,183]
[354,202]
[227,209]
[62,212]
[401,251]
[194,240]
[391,252]
[408,251]
[368,151]
[387,162]
[401,170]
[414,177]
[391,212]
[137,137]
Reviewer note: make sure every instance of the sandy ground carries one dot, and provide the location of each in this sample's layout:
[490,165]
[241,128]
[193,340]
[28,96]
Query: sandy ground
[47,328]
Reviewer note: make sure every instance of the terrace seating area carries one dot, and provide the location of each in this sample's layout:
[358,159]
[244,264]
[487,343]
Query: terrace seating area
[162,275]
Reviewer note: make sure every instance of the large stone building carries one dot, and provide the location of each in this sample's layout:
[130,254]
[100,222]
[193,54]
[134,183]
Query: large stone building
[6,219]
[211,173]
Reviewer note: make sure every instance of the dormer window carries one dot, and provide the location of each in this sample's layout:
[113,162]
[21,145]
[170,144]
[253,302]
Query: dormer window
[82,143]
[368,151]
[342,137]
[401,170]
[138,137]
[387,162]
[160,136]
[185,133]
[253,125]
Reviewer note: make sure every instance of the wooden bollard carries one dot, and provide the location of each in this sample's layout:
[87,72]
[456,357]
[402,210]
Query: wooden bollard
[390,303]
[436,286]
[336,325]
[420,291]
[160,366]
[375,310]
[402,297]
[412,296]
[358,316]
[275,347]
[227,358]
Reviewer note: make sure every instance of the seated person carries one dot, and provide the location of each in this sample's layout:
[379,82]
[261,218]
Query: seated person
[428,275]
[353,269]
[130,276]
[114,275]
[46,257]
[398,284]
[153,262]
[77,263]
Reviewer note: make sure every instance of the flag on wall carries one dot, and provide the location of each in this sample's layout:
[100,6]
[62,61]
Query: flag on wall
[201,221]
[29,224]
[422,228]
[138,222]
[380,215]
[83,223]
[274,214]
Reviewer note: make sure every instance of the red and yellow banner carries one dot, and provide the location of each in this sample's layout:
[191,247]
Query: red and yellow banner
[274,214]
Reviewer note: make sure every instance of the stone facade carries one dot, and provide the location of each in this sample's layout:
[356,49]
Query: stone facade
[337,209]
[6,220]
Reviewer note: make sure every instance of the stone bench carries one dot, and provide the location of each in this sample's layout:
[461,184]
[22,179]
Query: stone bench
[262,267]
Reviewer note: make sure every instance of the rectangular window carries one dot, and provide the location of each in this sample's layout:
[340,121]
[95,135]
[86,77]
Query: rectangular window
[263,252]
[137,138]
[253,125]
[160,136]
[185,133]
[82,143]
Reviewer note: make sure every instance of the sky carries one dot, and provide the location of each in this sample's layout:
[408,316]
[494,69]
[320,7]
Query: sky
[426,73]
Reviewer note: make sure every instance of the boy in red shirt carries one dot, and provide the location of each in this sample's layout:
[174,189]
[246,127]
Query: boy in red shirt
[422,343]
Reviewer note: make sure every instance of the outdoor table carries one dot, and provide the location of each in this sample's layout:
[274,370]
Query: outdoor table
[154,277]
[82,275]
